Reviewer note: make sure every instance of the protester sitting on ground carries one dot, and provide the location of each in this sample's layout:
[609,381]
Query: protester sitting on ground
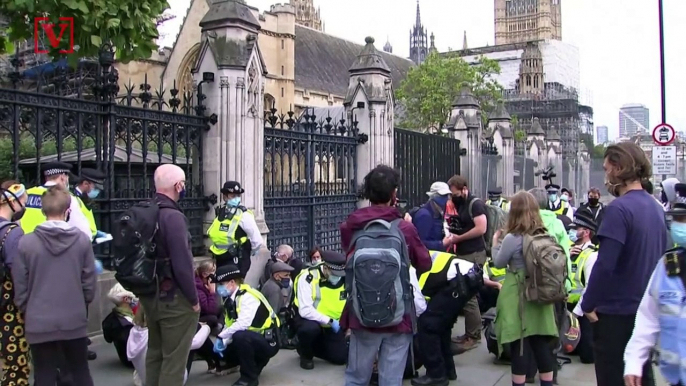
[277,291]
[54,282]
[118,323]
[210,302]
[284,254]
[315,257]
[13,347]
[526,326]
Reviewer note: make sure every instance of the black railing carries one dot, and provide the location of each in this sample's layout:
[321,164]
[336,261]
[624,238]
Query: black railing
[77,115]
[423,159]
[310,181]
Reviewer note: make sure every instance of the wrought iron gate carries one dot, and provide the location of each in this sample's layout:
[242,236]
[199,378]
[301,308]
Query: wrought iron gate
[78,115]
[423,159]
[309,179]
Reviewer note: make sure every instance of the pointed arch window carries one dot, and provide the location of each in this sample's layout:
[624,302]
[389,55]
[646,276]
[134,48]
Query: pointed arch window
[528,80]
[184,81]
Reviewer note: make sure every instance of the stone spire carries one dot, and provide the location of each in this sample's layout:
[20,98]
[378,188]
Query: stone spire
[229,11]
[418,40]
[388,47]
[369,60]
[464,41]
[432,47]
[306,14]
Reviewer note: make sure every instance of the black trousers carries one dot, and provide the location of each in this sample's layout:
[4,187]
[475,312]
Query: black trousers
[537,349]
[251,352]
[488,298]
[435,327]
[47,358]
[323,343]
[585,347]
[611,333]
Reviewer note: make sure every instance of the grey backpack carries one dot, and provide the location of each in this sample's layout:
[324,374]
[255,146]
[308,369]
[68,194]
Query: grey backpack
[546,268]
[377,279]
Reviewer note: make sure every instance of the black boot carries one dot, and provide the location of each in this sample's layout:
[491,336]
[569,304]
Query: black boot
[306,364]
[92,355]
[451,374]
[425,380]
[241,382]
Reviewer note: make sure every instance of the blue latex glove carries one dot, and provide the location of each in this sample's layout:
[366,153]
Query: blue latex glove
[98,267]
[219,347]
[99,234]
[335,326]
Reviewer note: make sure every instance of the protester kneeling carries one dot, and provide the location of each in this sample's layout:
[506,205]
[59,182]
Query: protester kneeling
[117,324]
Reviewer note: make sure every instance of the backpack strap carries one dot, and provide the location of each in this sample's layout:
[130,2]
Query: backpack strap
[437,209]
[9,226]
[469,208]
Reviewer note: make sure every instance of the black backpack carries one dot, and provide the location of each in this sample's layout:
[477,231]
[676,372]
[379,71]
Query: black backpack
[136,264]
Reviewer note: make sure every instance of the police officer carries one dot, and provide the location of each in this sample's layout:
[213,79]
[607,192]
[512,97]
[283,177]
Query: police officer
[234,233]
[583,255]
[448,286]
[493,277]
[250,336]
[495,198]
[56,173]
[318,300]
[89,186]
[660,318]
[555,204]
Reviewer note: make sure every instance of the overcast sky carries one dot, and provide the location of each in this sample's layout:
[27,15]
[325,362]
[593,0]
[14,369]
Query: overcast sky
[618,42]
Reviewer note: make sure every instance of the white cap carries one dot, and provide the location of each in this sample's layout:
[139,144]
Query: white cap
[438,188]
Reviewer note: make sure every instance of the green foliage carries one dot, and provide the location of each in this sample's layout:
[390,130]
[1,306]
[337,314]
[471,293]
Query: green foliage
[27,149]
[430,88]
[130,25]
[518,133]
[598,152]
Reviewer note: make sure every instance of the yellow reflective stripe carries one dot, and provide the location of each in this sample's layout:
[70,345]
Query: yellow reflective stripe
[577,284]
[434,268]
[316,289]
[268,322]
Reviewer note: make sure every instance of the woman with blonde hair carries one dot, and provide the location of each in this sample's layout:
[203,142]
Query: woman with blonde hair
[529,328]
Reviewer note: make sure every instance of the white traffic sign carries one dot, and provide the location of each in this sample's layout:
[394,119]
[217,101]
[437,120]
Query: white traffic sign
[664,160]
[663,134]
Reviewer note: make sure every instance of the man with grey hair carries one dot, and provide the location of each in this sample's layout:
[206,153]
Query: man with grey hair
[284,254]
[172,313]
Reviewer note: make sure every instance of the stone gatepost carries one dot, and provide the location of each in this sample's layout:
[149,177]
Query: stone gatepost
[499,123]
[465,124]
[536,149]
[234,147]
[369,101]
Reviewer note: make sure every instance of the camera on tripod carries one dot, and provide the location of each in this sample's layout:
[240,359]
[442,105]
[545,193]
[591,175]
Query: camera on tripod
[547,174]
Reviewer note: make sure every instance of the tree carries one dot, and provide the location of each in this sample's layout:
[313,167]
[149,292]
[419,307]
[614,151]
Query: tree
[429,89]
[519,134]
[130,25]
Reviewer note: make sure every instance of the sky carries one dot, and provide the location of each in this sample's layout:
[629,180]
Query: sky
[618,42]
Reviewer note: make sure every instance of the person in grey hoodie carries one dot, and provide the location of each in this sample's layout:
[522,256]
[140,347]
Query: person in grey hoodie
[54,282]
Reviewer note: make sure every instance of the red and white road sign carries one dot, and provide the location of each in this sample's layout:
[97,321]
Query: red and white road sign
[663,134]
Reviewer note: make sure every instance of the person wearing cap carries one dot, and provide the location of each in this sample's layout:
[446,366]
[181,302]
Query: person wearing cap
[660,319]
[495,198]
[584,254]
[88,188]
[318,301]
[234,233]
[278,284]
[56,173]
[557,205]
[429,218]
[13,346]
[250,338]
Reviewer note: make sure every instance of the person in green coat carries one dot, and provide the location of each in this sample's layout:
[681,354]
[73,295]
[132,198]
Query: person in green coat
[529,328]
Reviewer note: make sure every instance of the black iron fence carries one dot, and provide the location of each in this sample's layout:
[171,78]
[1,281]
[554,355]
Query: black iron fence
[423,159]
[78,115]
[310,183]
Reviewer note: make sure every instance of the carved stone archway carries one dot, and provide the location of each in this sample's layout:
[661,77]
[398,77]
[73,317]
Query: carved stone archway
[184,77]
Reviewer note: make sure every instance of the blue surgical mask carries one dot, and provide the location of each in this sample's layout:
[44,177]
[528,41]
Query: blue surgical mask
[333,279]
[182,193]
[564,197]
[678,232]
[552,197]
[223,292]
[285,282]
[133,303]
[234,202]
[572,235]
[94,193]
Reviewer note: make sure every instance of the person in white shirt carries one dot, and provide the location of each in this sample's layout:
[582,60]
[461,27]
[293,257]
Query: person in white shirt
[250,338]
[583,255]
[556,204]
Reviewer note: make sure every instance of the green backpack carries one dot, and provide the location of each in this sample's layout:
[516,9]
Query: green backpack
[496,218]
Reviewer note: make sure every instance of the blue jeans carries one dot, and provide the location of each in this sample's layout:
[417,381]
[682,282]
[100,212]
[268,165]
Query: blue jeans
[391,350]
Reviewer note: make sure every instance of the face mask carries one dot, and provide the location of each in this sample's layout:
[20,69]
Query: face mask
[678,232]
[67,216]
[593,201]
[552,197]
[285,282]
[564,197]
[94,193]
[223,292]
[234,202]
[572,235]
[133,303]
[17,214]
[333,279]
[458,201]
[182,192]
